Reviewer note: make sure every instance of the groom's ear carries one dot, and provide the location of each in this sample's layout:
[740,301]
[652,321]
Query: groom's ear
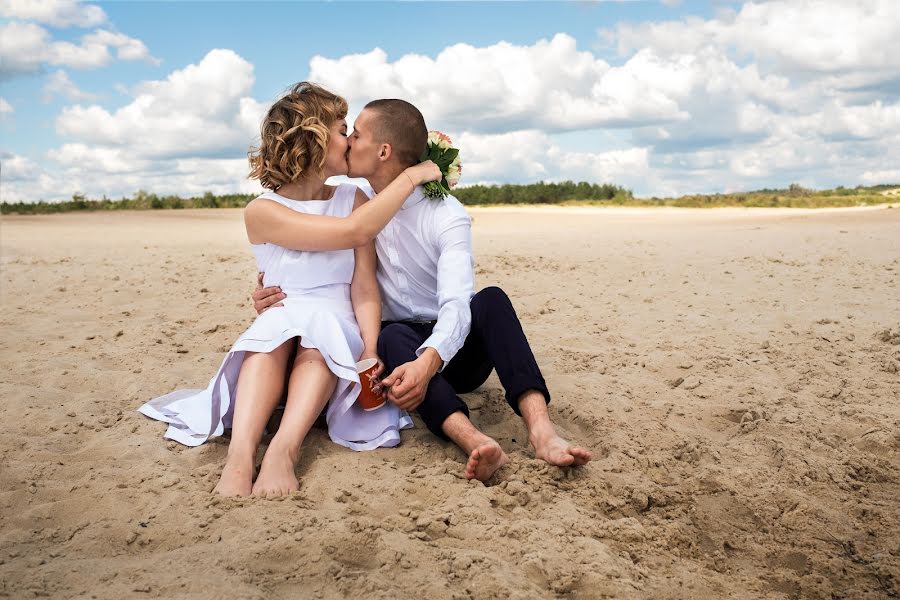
[385,152]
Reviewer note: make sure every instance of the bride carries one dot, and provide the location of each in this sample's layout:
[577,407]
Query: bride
[315,242]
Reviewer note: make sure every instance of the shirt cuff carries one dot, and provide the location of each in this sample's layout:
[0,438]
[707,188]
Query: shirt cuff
[445,358]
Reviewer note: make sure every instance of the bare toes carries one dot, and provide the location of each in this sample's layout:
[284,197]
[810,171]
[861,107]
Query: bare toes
[564,459]
[581,455]
[472,463]
[484,461]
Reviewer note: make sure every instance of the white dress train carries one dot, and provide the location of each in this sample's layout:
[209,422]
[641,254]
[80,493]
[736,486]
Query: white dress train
[317,310]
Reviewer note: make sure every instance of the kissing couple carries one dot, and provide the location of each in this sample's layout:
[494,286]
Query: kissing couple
[345,277]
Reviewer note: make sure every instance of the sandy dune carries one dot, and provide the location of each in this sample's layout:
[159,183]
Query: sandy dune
[735,373]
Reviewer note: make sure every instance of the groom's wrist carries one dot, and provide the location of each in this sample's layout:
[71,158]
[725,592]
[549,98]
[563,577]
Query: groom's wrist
[432,360]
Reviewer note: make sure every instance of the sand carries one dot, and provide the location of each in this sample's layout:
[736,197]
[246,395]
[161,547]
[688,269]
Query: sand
[735,373]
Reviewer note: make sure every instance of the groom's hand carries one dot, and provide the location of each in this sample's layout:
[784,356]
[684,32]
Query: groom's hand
[407,384]
[266,298]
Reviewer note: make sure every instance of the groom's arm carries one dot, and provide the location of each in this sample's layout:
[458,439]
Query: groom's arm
[408,383]
[455,286]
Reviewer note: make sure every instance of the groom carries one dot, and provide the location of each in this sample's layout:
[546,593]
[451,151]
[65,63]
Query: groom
[439,338]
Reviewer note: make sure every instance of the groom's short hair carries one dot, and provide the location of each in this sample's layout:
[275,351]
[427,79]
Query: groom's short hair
[401,125]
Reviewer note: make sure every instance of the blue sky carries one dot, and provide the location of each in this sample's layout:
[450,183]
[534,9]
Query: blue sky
[661,97]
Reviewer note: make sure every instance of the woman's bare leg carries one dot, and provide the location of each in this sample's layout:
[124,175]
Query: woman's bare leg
[309,389]
[260,386]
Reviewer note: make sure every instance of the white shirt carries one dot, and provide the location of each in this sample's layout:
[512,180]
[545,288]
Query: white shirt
[426,271]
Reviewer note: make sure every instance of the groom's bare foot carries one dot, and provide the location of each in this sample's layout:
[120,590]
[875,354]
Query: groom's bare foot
[236,479]
[485,460]
[276,474]
[556,451]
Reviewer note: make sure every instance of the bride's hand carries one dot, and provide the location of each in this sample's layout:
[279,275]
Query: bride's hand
[424,172]
[266,298]
[379,368]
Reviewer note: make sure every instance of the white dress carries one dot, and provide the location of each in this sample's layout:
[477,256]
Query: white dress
[317,310]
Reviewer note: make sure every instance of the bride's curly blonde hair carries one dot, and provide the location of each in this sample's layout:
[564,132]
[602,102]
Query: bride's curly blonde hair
[295,134]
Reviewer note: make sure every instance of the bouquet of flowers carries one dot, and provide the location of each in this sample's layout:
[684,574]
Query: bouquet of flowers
[441,152]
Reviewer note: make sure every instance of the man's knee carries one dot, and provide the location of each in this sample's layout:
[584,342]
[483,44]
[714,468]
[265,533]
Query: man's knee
[489,298]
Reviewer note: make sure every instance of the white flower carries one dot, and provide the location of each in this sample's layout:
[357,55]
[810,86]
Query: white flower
[442,141]
[454,171]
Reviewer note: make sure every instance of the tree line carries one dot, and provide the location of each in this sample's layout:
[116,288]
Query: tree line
[565,192]
[534,193]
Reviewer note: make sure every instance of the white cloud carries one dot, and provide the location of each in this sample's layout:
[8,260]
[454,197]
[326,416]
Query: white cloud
[550,85]
[5,107]
[23,47]
[872,121]
[26,48]
[776,92]
[112,161]
[200,110]
[17,168]
[794,36]
[78,173]
[59,84]
[56,13]
[127,48]
[889,176]
[528,156]
[490,158]
[184,135]
[773,162]
[624,167]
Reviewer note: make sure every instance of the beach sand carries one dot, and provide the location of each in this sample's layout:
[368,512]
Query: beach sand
[735,373]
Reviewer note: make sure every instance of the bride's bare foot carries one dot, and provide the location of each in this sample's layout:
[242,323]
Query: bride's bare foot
[236,479]
[485,460]
[276,474]
[556,451]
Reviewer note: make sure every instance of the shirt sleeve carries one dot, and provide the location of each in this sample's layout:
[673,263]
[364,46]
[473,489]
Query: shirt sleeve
[455,287]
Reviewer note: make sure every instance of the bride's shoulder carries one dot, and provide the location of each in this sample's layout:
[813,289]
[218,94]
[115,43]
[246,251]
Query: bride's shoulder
[357,195]
[263,201]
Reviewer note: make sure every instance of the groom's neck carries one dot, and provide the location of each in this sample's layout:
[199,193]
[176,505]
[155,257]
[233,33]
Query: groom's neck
[385,176]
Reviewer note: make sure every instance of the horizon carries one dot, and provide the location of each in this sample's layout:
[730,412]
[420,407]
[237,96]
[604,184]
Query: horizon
[474,196]
[664,98]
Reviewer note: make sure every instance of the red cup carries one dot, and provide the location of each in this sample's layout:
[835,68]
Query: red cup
[368,398]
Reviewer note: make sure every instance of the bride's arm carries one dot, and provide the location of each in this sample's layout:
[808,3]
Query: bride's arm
[268,221]
[365,295]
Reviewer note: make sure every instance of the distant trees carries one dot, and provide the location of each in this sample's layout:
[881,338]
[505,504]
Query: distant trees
[541,193]
[142,200]
[534,193]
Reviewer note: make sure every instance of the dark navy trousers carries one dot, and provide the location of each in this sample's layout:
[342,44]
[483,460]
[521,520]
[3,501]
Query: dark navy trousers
[496,341]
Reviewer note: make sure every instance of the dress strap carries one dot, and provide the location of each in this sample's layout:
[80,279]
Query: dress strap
[275,197]
[346,195]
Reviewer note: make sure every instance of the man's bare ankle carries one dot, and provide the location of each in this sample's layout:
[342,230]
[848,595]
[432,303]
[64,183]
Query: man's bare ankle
[541,434]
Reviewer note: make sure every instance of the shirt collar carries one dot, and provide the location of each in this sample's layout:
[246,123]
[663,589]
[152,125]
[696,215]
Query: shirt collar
[417,196]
